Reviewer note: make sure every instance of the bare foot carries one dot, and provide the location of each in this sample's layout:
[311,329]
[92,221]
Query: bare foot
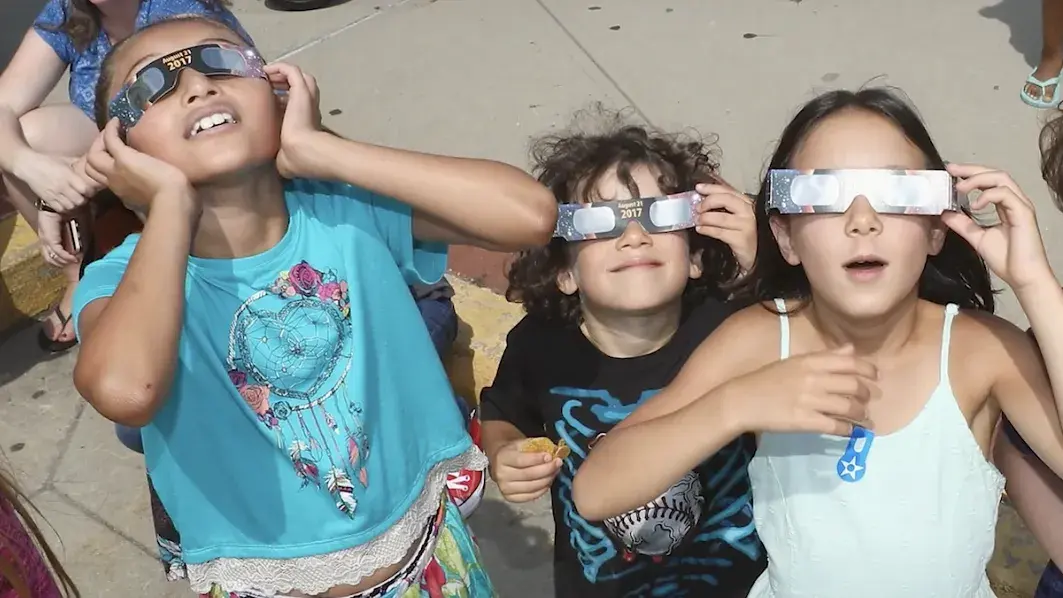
[54,327]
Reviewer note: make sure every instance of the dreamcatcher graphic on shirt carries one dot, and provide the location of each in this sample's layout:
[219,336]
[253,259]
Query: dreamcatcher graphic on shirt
[290,350]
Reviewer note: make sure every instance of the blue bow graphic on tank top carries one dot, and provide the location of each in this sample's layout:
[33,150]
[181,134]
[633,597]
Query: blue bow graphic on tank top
[853,463]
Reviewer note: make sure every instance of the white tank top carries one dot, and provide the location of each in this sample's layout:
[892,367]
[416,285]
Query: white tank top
[911,514]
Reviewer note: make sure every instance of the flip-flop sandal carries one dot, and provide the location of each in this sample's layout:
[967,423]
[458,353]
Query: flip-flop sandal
[52,345]
[1040,102]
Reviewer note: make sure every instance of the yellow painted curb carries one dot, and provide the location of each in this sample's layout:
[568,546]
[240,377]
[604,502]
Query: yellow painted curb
[28,286]
[484,320]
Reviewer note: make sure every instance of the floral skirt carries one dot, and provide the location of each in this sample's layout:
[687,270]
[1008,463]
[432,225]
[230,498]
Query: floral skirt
[446,564]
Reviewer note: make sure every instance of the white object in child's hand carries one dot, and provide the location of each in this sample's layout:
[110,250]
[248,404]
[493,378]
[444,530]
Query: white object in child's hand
[660,526]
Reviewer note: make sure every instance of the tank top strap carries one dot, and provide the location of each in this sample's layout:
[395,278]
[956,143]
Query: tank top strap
[784,329]
[946,338]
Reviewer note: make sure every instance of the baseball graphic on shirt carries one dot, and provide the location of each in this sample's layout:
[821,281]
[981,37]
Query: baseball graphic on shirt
[659,527]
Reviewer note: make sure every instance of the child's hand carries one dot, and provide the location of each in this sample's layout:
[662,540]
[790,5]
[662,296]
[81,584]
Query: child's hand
[825,392]
[727,215]
[1014,249]
[523,477]
[81,167]
[135,177]
[302,119]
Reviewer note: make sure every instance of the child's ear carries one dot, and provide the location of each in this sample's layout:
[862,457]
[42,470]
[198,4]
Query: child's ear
[937,237]
[780,227]
[696,266]
[566,282]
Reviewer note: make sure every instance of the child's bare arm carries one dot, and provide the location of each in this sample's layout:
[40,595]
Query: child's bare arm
[129,340]
[455,200]
[495,434]
[732,384]
[672,432]
[1043,303]
[1023,389]
[510,414]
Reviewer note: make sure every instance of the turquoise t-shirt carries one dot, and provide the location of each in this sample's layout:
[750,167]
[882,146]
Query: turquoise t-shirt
[309,404]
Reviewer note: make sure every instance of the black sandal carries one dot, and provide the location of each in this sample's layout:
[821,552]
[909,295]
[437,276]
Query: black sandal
[51,345]
[297,5]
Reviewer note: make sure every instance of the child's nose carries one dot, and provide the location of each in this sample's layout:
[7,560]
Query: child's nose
[861,217]
[634,236]
[194,86]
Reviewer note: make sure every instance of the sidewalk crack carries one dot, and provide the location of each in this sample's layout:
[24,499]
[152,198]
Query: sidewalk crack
[594,61]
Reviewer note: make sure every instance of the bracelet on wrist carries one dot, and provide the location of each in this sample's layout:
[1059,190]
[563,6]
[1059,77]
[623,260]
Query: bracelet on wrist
[43,207]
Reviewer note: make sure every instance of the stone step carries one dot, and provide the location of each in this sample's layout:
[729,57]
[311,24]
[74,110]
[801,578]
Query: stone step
[28,286]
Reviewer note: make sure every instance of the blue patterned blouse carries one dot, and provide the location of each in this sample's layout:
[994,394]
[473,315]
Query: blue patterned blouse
[85,64]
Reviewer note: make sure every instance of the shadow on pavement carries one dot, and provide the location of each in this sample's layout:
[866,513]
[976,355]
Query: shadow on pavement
[1023,17]
[7,230]
[517,551]
[19,351]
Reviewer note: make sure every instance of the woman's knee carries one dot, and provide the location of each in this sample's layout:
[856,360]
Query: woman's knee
[60,130]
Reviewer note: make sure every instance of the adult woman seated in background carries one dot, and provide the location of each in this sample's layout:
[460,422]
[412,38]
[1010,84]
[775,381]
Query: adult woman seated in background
[39,144]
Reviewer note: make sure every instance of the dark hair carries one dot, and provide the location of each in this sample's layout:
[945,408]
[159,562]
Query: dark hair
[572,162]
[955,275]
[101,110]
[13,498]
[1051,142]
[81,20]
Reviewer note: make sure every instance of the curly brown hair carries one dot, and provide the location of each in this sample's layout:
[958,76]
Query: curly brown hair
[81,20]
[1051,143]
[571,163]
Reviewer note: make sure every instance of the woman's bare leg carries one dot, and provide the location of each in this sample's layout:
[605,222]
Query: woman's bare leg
[1051,48]
[62,130]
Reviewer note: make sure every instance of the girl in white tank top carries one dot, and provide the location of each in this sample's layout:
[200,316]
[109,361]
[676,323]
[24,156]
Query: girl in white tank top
[930,477]
[875,387]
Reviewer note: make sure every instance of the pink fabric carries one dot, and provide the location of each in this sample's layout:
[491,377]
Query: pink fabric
[17,546]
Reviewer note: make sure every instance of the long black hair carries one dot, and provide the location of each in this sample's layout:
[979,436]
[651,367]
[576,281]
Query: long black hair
[956,274]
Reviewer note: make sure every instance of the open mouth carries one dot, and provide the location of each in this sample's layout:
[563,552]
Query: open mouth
[215,120]
[865,266]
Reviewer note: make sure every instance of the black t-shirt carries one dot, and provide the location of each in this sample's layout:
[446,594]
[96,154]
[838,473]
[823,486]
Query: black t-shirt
[553,382]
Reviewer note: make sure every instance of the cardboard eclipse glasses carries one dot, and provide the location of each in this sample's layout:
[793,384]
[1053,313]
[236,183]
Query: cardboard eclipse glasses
[159,78]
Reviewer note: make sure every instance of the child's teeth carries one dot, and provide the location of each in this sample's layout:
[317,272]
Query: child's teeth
[208,122]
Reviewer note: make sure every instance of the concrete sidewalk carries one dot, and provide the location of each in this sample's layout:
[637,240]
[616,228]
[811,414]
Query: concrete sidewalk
[478,78]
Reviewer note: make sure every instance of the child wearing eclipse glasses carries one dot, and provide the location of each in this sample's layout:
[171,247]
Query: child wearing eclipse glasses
[872,369]
[297,424]
[648,242]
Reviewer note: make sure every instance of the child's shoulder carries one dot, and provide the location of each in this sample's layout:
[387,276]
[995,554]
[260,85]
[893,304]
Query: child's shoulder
[336,202]
[985,335]
[747,335]
[118,256]
[750,320]
[317,189]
